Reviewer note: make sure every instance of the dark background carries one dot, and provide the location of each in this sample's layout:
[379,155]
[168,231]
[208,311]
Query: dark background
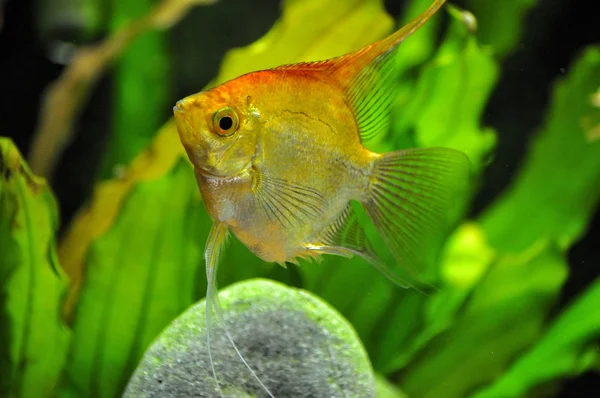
[555,32]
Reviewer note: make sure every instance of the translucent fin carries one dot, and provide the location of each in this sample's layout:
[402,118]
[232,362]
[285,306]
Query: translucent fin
[346,232]
[410,193]
[371,95]
[369,76]
[215,247]
[345,237]
[287,203]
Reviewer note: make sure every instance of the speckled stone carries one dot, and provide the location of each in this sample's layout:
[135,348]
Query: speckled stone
[297,344]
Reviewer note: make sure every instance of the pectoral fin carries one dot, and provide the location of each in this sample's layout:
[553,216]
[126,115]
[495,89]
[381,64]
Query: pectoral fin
[287,203]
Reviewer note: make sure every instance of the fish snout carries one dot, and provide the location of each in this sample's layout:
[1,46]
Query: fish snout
[179,107]
[185,118]
[189,129]
[187,134]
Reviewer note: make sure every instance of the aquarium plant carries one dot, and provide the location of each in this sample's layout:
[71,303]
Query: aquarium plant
[80,308]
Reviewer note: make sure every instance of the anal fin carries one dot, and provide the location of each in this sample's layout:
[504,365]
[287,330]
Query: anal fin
[345,237]
[287,203]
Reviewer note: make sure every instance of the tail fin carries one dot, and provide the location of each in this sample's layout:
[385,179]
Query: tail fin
[408,199]
[215,246]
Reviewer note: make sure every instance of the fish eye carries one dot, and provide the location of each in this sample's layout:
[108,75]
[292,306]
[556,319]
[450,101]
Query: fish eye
[225,122]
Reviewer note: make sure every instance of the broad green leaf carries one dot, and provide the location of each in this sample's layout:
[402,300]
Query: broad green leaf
[558,185]
[141,89]
[412,53]
[501,25]
[446,106]
[33,338]
[135,254]
[95,219]
[569,347]
[466,260]
[139,275]
[410,56]
[505,313]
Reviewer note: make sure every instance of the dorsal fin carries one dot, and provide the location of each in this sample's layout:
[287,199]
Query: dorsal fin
[368,76]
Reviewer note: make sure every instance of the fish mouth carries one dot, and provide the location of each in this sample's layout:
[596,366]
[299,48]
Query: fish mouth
[181,120]
[179,105]
[208,174]
[178,111]
[212,175]
[188,135]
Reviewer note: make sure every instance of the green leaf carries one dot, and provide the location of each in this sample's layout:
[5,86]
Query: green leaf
[502,317]
[297,344]
[466,260]
[447,103]
[569,347]
[538,218]
[385,389]
[410,56]
[33,338]
[558,185]
[139,276]
[501,27]
[421,45]
[141,91]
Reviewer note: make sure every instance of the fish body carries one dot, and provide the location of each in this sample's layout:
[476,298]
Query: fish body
[300,171]
[279,158]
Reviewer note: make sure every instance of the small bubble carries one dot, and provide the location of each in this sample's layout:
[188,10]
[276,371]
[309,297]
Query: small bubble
[595,98]
[470,21]
[119,171]
[61,52]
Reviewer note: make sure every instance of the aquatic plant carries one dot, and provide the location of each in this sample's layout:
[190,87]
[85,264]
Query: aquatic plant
[77,318]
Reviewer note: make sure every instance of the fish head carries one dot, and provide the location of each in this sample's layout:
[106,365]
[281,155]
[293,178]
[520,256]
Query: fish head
[217,128]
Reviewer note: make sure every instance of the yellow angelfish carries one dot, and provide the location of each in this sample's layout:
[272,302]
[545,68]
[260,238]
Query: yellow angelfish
[278,157]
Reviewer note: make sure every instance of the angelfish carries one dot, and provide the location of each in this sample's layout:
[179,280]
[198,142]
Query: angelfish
[278,156]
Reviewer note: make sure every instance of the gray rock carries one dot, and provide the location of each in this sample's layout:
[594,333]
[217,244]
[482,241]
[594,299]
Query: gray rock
[298,345]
